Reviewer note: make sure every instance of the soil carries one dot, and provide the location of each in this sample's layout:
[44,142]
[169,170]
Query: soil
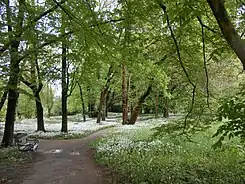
[59,162]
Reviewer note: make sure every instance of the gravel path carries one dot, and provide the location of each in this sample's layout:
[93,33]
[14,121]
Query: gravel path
[64,162]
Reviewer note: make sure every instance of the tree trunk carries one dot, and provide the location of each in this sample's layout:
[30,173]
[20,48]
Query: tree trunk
[91,104]
[137,107]
[11,106]
[3,99]
[102,99]
[39,111]
[156,106]
[82,100]
[227,29]
[104,108]
[124,95]
[165,107]
[64,88]
[13,74]
[103,94]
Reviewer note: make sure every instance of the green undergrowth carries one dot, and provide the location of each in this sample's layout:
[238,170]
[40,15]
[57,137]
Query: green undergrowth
[140,158]
[12,155]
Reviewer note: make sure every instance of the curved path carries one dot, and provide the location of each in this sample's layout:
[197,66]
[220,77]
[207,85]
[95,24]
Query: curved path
[66,162]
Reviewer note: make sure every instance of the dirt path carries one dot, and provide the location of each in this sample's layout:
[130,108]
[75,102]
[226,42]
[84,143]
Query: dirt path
[66,162]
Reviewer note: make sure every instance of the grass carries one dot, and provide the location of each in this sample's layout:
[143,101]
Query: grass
[140,158]
[12,155]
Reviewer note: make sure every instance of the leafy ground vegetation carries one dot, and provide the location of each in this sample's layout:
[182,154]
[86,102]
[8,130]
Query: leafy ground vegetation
[138,155]
[12,155]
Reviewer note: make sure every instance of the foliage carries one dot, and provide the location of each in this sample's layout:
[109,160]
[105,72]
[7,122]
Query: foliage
[232,117]
[138,159]
[12,155]
[26,104]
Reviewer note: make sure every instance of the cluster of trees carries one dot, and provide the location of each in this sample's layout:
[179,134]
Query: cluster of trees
[179,56]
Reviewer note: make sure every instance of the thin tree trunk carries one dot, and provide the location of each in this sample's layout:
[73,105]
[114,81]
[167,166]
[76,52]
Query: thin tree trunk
[228,29]
[156,106]
[64,87]
[165,107]
[3,99]
[124,95]
[137,107]
[102,99]
[104,108]
[83,105]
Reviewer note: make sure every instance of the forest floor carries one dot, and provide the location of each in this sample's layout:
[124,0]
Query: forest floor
[60,162]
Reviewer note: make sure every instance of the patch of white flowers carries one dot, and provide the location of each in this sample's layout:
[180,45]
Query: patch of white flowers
[53,127]
[133,138]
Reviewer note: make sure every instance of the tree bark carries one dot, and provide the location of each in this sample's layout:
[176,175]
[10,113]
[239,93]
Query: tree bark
[14,71]
[104,109]
[12,102]
[82,100]
[227,28]
[137,107]
[39,111]
[64,87]
[124,95]
[3,99]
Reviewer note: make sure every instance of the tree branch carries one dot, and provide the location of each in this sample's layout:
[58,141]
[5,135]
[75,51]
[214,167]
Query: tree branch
[204,60]
[227,29]
[161,4]
[6,46]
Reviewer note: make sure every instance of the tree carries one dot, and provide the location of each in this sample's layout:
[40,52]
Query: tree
[36,85]
[103,94]
[15,31]
[64,86]
[82,100]
[230,34]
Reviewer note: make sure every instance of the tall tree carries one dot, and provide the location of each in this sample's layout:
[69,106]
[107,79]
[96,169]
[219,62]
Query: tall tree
[15,34]
[64,86]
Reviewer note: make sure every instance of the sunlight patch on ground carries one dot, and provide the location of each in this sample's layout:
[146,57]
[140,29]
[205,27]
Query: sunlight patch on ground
[53,151]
